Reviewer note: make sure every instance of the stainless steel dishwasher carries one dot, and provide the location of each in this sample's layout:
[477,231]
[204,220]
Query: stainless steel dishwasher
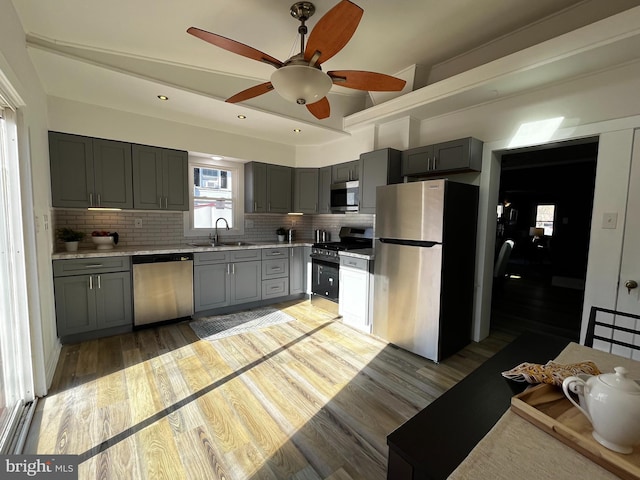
[162,287]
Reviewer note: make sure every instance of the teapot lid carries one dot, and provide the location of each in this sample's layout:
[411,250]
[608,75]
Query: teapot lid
[620,381]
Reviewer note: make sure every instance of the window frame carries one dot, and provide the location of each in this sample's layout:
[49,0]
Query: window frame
[237,188]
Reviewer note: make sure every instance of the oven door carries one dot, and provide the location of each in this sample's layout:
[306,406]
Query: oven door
[345,196]
[324,279]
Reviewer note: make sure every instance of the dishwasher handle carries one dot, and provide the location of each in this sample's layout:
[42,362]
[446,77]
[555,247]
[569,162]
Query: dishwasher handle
[161,258]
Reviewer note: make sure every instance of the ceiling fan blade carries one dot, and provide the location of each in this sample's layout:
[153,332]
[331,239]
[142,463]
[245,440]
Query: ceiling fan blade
[250,93]
[370,81]
[320,109]
[333,31]
[234,47]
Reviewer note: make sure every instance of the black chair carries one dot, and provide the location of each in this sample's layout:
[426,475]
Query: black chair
[619,332]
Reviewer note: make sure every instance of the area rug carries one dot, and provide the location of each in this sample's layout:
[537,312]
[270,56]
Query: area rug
[221,326]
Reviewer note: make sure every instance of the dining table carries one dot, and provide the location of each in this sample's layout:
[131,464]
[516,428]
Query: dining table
[470,432]
[516,448]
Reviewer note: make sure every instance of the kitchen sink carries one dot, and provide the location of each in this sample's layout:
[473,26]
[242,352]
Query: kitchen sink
[222,244]
[201,244]
[235,244]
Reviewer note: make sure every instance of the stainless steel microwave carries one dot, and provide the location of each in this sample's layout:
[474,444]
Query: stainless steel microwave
[345,196]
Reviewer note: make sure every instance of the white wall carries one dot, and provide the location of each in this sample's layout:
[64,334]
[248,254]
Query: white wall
[83,119]
[34,170]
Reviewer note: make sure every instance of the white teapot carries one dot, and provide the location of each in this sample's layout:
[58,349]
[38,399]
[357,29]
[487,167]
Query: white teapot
[611,402]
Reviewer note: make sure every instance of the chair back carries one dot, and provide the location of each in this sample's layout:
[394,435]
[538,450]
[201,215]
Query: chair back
[500,269]
[614,332]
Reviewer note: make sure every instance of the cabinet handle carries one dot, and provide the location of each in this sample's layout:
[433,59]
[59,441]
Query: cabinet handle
[99,282]
[93,265]
[435,160]
[428,163]
[91,199]
[160,202]
[99,200]
[269,208]
[90,282]
[228,269]
[234,268]
[291,249]
[255,206]
[166,202]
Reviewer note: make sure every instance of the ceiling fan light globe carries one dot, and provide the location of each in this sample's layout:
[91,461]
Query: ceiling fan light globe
[301,84]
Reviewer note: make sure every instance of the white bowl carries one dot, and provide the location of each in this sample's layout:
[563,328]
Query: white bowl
[103,243]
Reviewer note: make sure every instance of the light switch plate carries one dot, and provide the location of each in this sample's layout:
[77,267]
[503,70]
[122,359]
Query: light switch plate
[609,220]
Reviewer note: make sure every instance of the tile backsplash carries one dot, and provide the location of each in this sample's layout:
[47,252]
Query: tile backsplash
[166,228]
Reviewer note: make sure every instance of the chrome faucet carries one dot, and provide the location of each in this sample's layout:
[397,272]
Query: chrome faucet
[215,236]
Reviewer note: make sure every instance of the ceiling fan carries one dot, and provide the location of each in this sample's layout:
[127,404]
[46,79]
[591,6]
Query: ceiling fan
[300,79]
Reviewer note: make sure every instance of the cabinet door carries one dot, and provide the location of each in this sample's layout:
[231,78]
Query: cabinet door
[72,174]
[296,270]
[279,183]
[255,187]
[306,190]
[113,174]
[462,154]
[211,286]
[246,282]
[354,297]
[75,304]
[324,190]
[379,167]
[147,177]
[345,172]
[175,183]
[113,299]
[417,161]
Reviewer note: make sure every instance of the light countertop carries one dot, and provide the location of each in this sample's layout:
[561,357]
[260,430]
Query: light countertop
[181,248]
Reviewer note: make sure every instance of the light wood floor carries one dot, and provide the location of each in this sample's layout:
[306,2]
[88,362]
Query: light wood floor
[308,399]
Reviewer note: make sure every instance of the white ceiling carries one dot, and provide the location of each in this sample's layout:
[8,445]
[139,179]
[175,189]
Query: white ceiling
[122,54]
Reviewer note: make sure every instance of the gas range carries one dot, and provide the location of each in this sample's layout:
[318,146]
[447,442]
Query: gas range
[351,238]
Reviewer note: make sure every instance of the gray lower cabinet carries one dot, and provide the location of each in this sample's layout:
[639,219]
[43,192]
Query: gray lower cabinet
[90,172]
[275,272]
[356,276]
[305,192]
[461,155]
[380,167]
[268,188]
[345,172]
[324,190]
[160,178]
[222,279]
[297,267]
[93,297]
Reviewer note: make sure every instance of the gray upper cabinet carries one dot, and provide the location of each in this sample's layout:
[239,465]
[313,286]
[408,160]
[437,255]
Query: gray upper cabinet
[345,172]
[90,172]
[279,188]
[268,188]
[462,155]
[324,190]
[305,198]
[160,178]
[380,167]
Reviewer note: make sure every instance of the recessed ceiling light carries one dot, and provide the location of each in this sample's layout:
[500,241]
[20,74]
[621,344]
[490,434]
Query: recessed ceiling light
[242,117]
[297,130]
[163,97]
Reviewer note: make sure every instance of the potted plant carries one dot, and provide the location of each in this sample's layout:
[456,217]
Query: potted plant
[70,237]
[281,233]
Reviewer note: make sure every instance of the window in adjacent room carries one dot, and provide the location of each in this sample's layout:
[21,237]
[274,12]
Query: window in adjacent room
[545,215]
[215,193]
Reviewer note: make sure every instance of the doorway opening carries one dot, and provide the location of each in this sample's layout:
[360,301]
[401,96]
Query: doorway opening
[544,214]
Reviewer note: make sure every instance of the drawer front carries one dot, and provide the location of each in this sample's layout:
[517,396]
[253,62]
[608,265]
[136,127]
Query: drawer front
[353,262]
[208,258]
[81,266]
[278,287]
[275,253]
[275,268]
[245,255]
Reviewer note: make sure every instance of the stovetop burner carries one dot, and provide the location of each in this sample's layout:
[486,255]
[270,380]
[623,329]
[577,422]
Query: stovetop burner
[351,238]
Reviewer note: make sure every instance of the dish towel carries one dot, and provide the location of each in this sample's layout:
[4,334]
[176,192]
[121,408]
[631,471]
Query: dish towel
[551,372]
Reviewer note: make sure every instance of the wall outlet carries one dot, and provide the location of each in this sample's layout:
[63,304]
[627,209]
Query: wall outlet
[609,220]
[137,223]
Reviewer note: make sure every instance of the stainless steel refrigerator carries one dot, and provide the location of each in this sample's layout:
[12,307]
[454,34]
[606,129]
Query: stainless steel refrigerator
[424,266]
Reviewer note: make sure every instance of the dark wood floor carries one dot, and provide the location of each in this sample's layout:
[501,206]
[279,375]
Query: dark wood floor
[528,301]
